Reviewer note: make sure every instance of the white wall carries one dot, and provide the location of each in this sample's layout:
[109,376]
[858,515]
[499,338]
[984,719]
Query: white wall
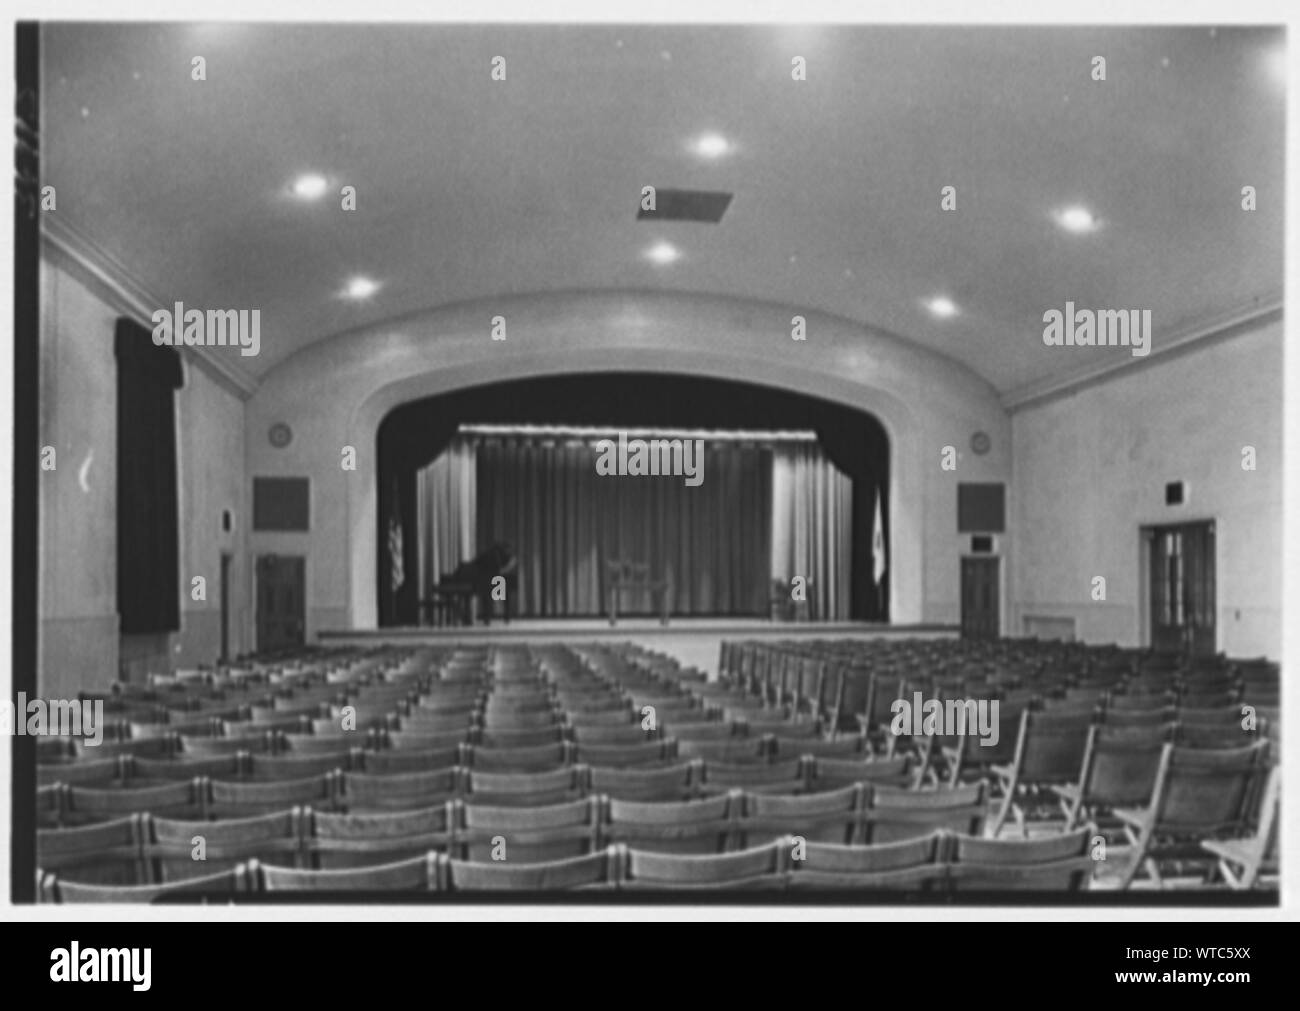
[1091,467]
[77,645]
[336,392]
[78,636]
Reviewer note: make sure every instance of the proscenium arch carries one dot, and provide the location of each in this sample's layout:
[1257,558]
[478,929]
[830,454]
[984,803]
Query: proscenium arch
[894,417]
[348,383]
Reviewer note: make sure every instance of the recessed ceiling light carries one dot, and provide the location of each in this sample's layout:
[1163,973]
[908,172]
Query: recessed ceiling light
[360,287]
[1076,219]
[711,145]
[663,253]
[941,306]
[310,187]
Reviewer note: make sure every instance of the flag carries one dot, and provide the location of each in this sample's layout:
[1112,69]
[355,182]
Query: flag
[397,572]
[878,545]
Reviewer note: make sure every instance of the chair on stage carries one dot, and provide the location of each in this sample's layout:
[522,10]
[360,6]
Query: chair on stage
[634,577]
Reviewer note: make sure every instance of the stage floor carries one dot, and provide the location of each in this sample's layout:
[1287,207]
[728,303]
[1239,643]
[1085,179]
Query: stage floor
[696,642]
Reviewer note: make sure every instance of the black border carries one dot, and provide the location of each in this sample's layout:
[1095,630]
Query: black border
[26,521]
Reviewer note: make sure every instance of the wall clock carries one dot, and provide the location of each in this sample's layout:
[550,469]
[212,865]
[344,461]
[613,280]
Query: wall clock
[280,435]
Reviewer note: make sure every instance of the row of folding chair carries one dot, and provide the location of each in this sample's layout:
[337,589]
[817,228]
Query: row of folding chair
[165,788]
[146,849]
[937,862]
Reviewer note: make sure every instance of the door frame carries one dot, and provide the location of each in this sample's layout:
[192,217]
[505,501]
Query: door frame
[255,568]
[1145,534]
[995,557]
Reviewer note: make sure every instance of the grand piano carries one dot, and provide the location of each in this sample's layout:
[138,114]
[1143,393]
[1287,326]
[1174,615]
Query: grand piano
[463,596]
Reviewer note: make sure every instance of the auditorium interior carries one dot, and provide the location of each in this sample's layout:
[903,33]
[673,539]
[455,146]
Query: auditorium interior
[640,415]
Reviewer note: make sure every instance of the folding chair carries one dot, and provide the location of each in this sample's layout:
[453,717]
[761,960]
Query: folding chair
[382,763]
[650,753]
[674,782]
[418,874]
[244,799]
[1246,863]
[538,759]
[85,804]
[703,732]
[621,734]
[272,767]
[760,868]
[86,773]
[833,773]
[525,789]
[831,817]
[914,864]
[695,826]
[336,841]
[1058,863]
[363,792]
[593,871]
[786,776]
[178,850]
[402,740]
[1198,794]
[221,886]
[972,758]
[211,747]
[418,721]
[1048,750]
[488,834]
[107,854]
[735,751]
[1118,769]
[894,814]
[530,738]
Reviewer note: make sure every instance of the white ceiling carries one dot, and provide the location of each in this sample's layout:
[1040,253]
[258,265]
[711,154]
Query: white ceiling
[471,188]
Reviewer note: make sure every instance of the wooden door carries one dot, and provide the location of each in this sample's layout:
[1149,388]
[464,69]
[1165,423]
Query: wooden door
[281,602]
[1182,591]
[979,598]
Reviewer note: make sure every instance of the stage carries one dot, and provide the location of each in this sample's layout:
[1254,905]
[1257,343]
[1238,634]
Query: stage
[694,641]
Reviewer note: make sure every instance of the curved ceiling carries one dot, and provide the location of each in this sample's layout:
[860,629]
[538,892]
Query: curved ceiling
[471,188]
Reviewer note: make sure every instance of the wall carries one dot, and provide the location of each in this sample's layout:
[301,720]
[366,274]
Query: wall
[334,394]
[78,566]
[1090,469]
[79,647]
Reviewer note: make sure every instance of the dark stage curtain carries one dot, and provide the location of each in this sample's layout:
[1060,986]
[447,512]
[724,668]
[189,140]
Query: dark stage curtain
[148,589]
[402,454]
[861,451]
[414,434]
[565,521]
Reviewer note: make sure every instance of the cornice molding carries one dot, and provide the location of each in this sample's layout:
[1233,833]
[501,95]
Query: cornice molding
[1206,331]
[115,283]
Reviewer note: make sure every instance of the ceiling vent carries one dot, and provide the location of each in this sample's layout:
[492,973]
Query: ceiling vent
[687,205]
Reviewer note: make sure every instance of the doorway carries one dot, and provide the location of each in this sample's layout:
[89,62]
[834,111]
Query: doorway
[1181,588]
[281,602]
[979,598]
[225,607]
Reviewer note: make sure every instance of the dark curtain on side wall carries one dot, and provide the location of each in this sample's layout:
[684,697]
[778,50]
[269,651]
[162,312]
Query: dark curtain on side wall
[148,580]
[565,521]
